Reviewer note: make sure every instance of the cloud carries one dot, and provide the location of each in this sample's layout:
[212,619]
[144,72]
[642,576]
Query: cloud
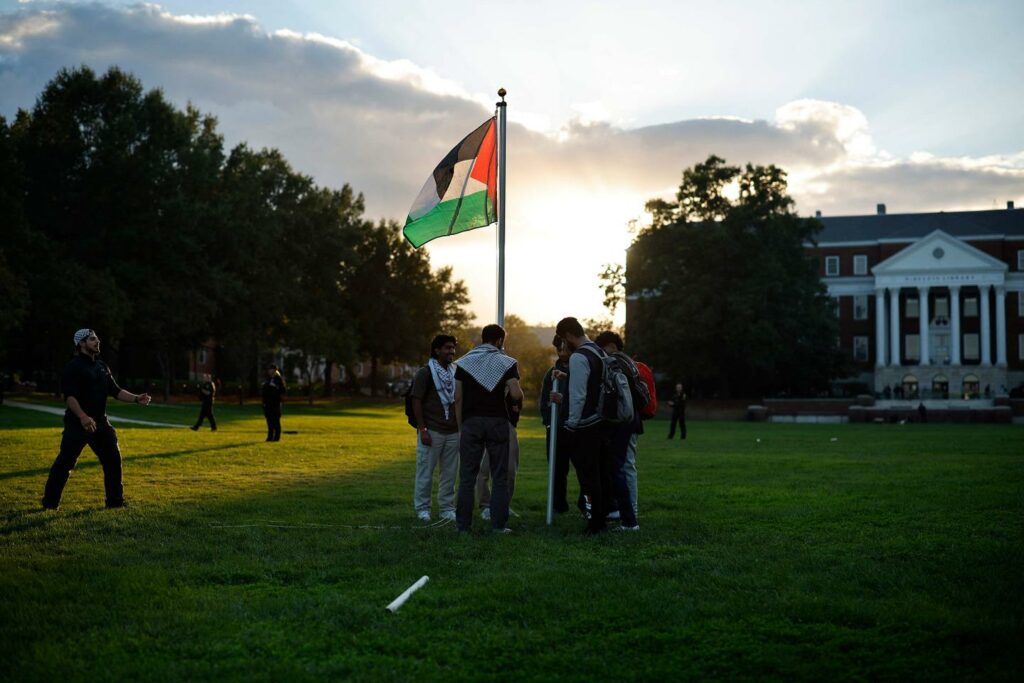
[343,115]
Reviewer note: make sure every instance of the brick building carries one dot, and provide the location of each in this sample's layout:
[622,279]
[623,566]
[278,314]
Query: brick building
[930,304]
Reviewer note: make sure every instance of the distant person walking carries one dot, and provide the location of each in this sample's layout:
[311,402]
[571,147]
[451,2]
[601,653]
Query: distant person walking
[678,404]
[207,392]
[272,390]
[437,430]
[481,380]
[86,383]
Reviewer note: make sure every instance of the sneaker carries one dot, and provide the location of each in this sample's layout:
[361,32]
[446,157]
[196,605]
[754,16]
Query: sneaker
[485,513]
[120,504]
[449,515]
[506,530]
[627,528]
[423,515]
[47,506]
[194,428]
[614,514]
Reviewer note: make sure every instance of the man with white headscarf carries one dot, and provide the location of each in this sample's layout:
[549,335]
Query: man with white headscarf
[437,432]
[86,384]
[482,378]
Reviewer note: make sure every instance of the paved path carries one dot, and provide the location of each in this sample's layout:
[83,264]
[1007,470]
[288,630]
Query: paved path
[60,411]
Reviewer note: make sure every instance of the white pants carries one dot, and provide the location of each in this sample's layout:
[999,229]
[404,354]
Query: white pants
[442,453]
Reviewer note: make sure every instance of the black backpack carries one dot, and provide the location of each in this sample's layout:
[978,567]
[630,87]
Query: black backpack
[409,414]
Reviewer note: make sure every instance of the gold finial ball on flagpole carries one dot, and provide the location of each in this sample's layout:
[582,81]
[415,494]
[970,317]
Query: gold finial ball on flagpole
[501,93]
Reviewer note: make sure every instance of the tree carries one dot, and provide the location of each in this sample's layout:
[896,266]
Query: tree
[724,295]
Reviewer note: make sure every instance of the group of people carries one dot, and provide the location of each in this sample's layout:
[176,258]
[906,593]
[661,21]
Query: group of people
[465,415]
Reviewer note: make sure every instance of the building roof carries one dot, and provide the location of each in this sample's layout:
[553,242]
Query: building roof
[912,226]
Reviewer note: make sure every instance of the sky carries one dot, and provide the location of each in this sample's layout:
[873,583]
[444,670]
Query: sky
[918,105]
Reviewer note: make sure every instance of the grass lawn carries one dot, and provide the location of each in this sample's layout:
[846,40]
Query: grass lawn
[821,552]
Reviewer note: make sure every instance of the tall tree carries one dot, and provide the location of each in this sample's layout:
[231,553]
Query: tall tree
[725,296]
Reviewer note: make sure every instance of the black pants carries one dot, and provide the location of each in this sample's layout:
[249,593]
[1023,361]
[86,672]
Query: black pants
[592,454]
[103,443]
[272,412]
[477,434]
[562,459]
[206,411]
[681,420]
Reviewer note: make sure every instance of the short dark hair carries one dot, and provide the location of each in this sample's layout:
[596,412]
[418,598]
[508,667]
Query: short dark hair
[569,326]
[609,337]
[492,333]
[439,341]
[270,366]
[557,342]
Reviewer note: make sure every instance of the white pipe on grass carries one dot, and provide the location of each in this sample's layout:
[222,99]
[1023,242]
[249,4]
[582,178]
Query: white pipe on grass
[400,600]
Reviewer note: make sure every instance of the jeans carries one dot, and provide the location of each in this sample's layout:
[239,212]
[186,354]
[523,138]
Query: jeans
[483,493]
[592,454]
[442,454]
[103,443]
[477,434]
[629,469]
[620,437]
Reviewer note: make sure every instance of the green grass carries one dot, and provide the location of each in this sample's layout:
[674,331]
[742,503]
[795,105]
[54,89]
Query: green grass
[868,552]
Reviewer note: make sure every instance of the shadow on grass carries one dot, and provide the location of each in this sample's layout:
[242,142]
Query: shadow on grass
[149,456]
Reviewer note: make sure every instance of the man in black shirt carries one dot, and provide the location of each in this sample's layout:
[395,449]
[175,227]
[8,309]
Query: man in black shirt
[481,379]
[207,390]
[272,390]
[86,383]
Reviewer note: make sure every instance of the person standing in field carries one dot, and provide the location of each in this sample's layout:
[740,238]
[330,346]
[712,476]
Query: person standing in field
[207,392]
[482,378]
[547,397]
[437,431]
[483,491]
[678,404]
[272,390]
[86,383]
[590,437]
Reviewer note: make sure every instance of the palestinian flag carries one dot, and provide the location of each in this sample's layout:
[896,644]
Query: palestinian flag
[461,194]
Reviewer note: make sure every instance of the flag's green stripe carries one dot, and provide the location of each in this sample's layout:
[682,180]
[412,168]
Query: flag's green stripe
[474,211]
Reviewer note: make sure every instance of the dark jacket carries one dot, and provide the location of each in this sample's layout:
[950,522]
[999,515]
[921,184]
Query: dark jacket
[545,395]
[272,391]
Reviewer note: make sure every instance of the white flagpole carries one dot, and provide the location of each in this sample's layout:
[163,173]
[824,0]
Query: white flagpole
[501,206]
[552,449]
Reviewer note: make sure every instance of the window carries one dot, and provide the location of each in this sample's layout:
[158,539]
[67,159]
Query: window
[972,387]
[913,347]
[860,307]
[1020,259]
[940,387]
[201,356]
[1020,304]
[831,266]
[971,347]
[909,386]
[913,309]
[971,307]
[1020,347]
[860,264]
[860,349]
[941,307]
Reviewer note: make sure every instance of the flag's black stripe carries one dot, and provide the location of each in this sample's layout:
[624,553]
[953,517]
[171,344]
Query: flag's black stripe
[467,149]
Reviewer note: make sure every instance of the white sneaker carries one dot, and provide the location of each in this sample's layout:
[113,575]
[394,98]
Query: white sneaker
[614,514]
[423,515]
[627,528]
[485,513]
[506,530]
[449,515]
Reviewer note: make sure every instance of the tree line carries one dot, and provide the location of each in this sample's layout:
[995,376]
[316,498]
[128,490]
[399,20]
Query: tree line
[124,213]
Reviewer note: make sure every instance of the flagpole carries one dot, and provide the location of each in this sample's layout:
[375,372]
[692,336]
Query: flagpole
[501,206]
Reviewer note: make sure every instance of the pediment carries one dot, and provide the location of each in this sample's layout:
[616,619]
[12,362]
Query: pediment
[939,252]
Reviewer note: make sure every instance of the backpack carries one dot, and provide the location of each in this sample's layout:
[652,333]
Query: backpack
[651,409]
[615,402]
[638,389]
[410,416]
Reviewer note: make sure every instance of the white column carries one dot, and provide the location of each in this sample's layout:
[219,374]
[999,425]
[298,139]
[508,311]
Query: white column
[1001,327]
[954,314]
[922,310]
[986,328]
[880,339]
[894,327]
